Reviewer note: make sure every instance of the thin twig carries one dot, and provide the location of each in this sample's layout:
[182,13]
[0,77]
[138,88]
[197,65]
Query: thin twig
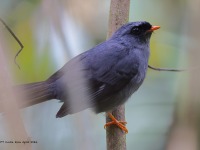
[16,38]
[166,69]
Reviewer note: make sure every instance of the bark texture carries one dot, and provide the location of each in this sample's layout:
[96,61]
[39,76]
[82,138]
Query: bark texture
[119,15]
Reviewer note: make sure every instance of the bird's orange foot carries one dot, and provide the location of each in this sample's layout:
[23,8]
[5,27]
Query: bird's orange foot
[120,124]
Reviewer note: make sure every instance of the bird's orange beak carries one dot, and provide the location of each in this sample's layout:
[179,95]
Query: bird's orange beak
[153,28]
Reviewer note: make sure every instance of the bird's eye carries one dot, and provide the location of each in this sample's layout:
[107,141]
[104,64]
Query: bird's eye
[135,30]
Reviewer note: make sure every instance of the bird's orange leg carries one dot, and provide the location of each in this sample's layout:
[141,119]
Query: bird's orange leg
[120,124]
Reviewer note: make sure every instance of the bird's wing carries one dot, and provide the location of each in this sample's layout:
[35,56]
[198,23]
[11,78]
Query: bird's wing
[106,69]
[110,70]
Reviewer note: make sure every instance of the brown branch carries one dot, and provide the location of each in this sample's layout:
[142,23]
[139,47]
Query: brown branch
[119,15]
[16,38]
[165,69]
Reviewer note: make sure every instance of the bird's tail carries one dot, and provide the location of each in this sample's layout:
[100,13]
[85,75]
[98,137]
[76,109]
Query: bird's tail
[35,93]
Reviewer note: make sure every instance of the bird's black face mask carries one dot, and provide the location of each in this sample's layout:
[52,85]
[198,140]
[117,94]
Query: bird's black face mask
[137,32]
[143,31]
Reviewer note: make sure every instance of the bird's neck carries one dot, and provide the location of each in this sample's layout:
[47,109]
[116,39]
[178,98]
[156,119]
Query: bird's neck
[135,44]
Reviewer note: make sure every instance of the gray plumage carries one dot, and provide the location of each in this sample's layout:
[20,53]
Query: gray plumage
[109,73]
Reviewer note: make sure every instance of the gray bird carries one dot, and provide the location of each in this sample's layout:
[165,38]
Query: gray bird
[101,78]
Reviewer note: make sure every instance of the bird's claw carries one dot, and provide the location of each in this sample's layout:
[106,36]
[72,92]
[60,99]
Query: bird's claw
[120,124]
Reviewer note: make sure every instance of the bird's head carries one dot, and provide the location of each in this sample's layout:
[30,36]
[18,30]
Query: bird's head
[135,31]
